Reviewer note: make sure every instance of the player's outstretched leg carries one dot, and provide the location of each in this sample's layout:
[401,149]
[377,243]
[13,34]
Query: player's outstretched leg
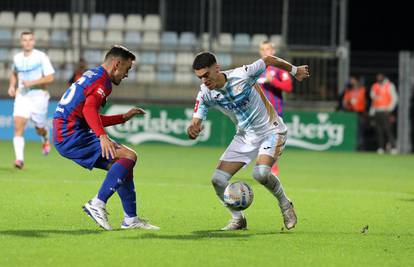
[220,181]
[263,174]
[127,195]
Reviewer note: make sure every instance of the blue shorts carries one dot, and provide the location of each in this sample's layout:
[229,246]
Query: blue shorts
[84,148]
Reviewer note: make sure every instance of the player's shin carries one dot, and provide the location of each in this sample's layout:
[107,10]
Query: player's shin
[127,195]
[18,143]
[115,177]
[263,174]
[220,180]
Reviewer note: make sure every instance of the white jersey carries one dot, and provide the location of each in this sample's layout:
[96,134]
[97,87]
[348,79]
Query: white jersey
[32,67]
[242,99]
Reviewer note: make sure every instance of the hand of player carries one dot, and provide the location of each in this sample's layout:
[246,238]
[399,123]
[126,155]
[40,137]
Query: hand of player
[193,131]
[26,84]
[132,112]
[302,73]
[12,91]
[108,147]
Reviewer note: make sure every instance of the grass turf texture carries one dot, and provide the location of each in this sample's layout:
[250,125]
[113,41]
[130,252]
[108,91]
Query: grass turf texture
[335,194]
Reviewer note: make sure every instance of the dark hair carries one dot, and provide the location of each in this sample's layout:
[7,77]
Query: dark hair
[120,51]
[26,33]
[203,60]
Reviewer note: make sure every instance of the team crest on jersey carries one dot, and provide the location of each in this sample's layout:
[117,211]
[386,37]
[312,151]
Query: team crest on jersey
[237,89]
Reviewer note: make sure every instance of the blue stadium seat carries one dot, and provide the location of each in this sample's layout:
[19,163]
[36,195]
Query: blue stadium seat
[132,38]
[97,22]
[4,54]
[241,40]
[148,58]
[167,58]
[187,39]
[224,59]
[6,36]
[92,56]
[169,39]
[164,77]
[59,37]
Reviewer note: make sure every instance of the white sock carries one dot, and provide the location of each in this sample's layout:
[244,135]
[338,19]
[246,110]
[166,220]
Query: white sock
[129,220]
[97,202]
[18,143]
[278,191]
[236,214]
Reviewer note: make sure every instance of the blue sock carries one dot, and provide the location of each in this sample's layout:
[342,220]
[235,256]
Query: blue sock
[127,195]
[116,176]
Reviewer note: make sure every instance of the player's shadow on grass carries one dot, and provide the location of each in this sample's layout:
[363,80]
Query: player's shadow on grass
[47,233]
[197,235]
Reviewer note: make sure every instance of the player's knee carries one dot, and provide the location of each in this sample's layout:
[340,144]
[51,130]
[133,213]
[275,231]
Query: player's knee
[261,173]
[130,154]
[220,178]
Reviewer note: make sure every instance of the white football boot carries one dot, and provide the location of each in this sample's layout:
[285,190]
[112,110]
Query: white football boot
[138,223]
[98,214]
[289,216]
[236,224]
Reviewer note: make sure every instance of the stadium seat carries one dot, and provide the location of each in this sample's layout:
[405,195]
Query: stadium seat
[132,38]
[42,36]
[67,72]
[97,22]
[75,37]
[169,39]
[257,39]
[115,22]
[57,56]
[114,37]
[147,68]
[167,58]
[6,36]
[224,59]
[4,54]
[61,20]
[96,37]
[165,67]
[75,21]
[152,22]
[164,77]
[59,37]
[151,38]
[205,39]
[133,22]
[71,56]
[241,41]
[6,19]
[183,77]
[276,39]
[92,56]
[224,42]
[148,58]
[24,20]
[185,58]
[187,40]
[43,20]
[145,77]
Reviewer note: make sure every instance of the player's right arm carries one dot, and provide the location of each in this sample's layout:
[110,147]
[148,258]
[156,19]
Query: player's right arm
[12,84]
[195,128]
[300,72]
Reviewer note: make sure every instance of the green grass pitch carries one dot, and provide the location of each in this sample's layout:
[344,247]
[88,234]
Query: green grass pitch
[336,195]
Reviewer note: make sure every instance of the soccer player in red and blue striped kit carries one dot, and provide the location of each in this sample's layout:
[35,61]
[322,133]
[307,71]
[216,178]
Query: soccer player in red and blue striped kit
[274,83]
[79,135]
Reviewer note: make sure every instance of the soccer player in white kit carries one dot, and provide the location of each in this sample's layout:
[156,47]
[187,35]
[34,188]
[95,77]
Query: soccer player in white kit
[261,133]
[31,72]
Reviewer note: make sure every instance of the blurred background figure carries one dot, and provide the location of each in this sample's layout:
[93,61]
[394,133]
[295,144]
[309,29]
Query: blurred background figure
[274,82]
[354,100]
[81,67]
[384,99]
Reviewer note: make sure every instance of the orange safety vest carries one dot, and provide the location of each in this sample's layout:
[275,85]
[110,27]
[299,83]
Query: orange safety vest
[381,95]
[354,99]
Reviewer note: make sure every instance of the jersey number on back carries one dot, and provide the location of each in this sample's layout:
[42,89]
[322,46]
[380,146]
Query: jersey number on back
[70,92]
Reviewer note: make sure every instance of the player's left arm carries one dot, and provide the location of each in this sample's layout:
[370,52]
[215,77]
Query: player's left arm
[109,120]
[299,72]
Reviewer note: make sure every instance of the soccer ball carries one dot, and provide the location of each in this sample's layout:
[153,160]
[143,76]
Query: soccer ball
[238,196]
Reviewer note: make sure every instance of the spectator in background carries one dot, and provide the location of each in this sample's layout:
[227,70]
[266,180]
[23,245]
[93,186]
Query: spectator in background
[354,100]
[81,67]
[384,99]
[274,82]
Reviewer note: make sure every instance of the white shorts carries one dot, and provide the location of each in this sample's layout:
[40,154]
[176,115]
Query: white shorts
[32,105]
[239,150]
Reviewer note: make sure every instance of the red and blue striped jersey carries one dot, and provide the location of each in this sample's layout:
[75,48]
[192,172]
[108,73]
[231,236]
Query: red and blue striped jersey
[78,109]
